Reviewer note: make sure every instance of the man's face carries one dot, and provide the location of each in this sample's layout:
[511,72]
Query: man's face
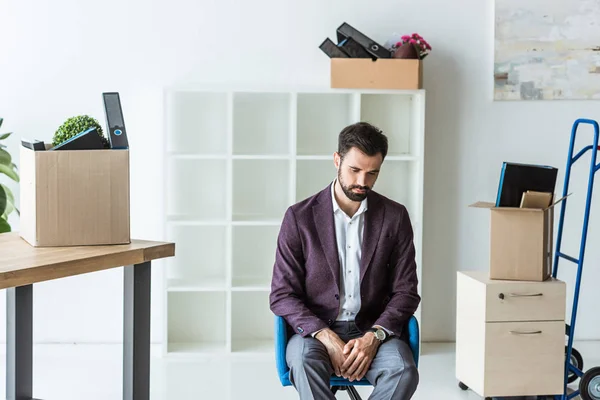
[357,173]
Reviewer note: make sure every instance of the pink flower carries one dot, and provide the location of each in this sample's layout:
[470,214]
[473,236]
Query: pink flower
[420,44]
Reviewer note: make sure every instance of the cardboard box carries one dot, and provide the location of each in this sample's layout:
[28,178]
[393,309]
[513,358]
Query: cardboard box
[521,241]
[74,197]
[364,73]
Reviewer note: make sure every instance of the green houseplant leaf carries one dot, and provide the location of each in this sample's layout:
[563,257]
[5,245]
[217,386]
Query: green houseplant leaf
[5,158]
[4,226]
[9,171]
[7,199]
[3,201]
[10,202]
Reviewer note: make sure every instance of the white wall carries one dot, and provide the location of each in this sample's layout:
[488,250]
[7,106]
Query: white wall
[57,57]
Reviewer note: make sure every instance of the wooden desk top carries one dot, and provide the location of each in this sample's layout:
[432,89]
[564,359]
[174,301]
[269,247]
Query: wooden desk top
[22,264]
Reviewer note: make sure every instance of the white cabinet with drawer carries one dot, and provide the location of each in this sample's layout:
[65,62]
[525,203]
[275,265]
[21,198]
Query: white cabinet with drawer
[510,335]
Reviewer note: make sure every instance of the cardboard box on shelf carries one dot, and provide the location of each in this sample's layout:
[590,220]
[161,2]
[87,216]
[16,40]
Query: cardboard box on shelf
[74,197]
[383,73]
[521,238]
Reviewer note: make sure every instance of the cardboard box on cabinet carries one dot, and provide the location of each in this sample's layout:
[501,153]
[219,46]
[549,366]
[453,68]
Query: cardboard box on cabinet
[521,241]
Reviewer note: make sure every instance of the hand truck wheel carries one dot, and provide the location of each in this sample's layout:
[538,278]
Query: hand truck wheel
[589,385]
[576,361]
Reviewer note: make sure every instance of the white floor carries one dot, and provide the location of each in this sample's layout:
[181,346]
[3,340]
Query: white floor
[93,372]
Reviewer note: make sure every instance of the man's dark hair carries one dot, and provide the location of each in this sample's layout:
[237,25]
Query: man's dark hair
[365,137]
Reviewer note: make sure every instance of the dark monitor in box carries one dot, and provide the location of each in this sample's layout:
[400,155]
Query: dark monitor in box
[515,179]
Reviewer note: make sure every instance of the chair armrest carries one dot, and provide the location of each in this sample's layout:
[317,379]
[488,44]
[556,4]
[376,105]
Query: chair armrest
[413,338]
[280,346]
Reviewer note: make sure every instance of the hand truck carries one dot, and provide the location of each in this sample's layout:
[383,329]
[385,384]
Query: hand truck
[589,384]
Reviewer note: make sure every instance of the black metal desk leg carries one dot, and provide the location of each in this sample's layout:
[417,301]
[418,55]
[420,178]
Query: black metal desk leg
[136,332]
[19,343]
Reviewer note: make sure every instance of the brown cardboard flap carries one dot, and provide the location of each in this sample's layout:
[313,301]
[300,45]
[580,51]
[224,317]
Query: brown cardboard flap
[483,204]
[492,206]
[532,199]
[558,201]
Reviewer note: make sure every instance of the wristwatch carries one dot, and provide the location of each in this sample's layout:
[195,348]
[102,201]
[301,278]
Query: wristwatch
[380,334]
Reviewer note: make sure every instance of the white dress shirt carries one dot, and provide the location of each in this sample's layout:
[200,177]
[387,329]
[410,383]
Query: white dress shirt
[349,236]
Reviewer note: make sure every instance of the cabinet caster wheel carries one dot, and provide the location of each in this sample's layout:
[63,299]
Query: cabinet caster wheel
[589,385]
[463,386]
[576,361]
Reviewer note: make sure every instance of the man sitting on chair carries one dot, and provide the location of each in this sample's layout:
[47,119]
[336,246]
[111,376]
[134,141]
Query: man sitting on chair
[345,278]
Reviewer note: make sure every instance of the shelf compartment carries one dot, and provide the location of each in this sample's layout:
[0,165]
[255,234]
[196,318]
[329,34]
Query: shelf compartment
[312,176]
[197,122]
[200,261]
[398,181]
[261,123]
[393,114]
[260,189]
[252,323]
[196,189]
[193,320]
[321,117]
[253,255]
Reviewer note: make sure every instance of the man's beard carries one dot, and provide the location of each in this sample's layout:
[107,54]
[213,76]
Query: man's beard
[348,190]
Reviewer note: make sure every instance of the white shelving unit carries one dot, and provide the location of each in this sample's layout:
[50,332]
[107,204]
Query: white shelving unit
[234,161]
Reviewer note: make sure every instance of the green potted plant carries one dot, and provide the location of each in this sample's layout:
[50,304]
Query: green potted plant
[74,126]
[8,168]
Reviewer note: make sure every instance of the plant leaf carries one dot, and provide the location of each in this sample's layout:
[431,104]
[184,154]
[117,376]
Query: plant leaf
[6,135]
[5,157]
[10,202]
[3,200]
[4,226]
[6,170]
[1,120]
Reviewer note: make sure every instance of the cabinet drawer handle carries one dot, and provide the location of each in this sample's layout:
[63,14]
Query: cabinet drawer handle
[501,295]
[526,332]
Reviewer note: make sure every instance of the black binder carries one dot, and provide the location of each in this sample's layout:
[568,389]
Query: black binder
[115,124]
[332,50]
[345,31]
[354,49]
[86,140]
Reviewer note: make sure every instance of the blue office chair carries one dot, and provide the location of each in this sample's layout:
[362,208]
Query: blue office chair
[336,383]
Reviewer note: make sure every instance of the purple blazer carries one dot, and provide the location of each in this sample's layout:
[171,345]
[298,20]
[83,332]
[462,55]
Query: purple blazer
[306,274]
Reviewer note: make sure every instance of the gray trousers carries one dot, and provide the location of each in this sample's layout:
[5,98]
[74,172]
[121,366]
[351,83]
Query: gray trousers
[392,373]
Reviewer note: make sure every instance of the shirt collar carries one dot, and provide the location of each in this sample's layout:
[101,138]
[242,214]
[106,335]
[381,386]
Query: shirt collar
[336,206]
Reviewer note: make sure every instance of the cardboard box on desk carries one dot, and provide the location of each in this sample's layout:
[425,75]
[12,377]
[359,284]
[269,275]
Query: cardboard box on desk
[383,73]
[74,197]
[521,241]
